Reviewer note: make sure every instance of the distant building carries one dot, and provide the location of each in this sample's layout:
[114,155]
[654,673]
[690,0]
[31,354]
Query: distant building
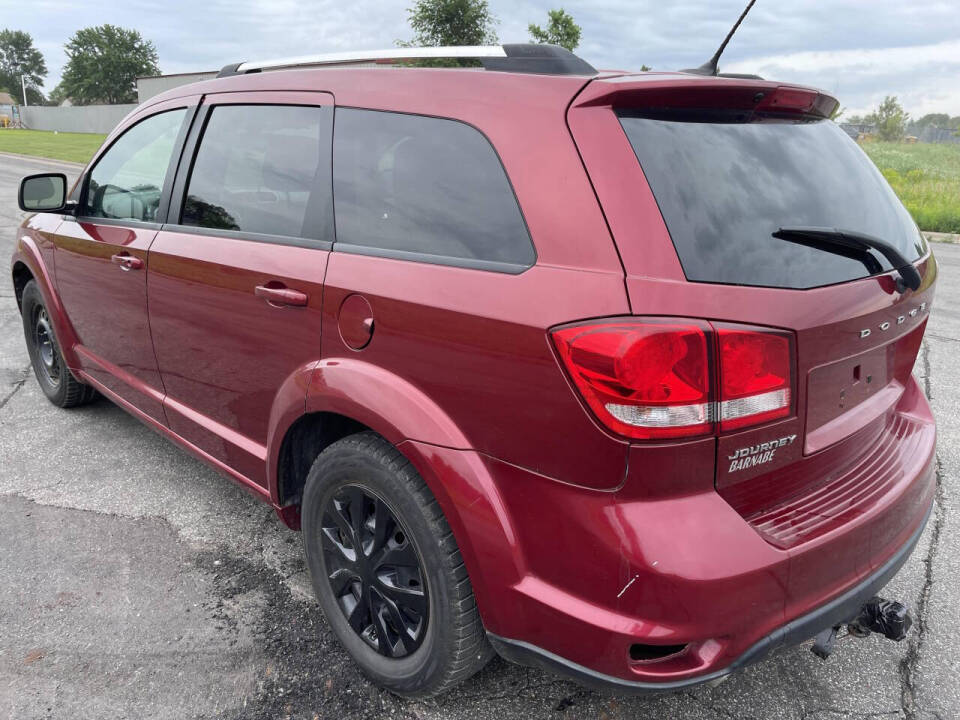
[152,85]
[6,109]
[931,134]
[858,131]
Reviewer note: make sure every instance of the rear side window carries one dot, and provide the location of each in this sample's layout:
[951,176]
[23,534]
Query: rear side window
[127,181]
[263,169]
[724,186]
[433,187]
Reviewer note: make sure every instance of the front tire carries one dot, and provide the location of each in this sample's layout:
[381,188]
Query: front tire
[387,571]
[53,375]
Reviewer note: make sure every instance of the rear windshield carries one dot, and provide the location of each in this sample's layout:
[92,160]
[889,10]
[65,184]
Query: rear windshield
[724,187]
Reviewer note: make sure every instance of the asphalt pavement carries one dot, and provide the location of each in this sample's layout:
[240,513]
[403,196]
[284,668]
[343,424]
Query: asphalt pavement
[137,583]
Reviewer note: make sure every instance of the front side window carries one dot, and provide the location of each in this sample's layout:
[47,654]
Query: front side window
[127,182]
[263,169]
[410,183]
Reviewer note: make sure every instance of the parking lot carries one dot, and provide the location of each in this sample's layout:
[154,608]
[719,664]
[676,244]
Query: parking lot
[136,582]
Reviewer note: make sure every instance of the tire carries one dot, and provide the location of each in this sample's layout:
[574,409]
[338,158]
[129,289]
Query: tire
[53,375]
[433,642]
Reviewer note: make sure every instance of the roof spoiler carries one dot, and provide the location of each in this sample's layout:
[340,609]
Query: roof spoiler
[679,94]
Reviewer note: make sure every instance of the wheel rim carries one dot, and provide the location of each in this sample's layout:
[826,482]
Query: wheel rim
[375,572]
[46,350]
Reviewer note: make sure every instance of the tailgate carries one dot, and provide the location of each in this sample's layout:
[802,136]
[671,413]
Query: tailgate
[694,180]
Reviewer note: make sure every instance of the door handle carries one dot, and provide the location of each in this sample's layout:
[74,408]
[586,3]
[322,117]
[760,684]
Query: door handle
[280,295]
[126,262]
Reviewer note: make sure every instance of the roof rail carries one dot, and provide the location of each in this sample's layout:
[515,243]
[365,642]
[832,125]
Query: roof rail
[524,58]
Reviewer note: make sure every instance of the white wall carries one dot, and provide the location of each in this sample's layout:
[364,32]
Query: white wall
[147,87]
[79,118]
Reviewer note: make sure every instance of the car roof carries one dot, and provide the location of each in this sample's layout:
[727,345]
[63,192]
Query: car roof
[437,90]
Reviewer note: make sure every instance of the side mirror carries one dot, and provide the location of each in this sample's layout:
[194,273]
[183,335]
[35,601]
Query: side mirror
[46,192]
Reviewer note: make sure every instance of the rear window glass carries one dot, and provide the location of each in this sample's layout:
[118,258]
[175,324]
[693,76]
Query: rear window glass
[263,169]
[416,184]
[724,187]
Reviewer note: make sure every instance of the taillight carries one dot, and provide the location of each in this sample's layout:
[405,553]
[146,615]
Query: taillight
[652,378]
[643,380]
[755,377]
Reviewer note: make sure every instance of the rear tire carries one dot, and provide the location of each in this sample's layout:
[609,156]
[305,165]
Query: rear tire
[387,571]
[53,375]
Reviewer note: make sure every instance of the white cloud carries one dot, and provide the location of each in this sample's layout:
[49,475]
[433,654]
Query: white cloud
[908,49]
[926,78]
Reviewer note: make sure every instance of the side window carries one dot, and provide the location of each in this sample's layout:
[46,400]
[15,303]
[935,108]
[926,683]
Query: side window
[424,185]
[263,169]
[126,183]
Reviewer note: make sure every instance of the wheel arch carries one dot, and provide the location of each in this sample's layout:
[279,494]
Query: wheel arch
[27,265]
[347,395]
[324,401]
[304,440]
[21,276]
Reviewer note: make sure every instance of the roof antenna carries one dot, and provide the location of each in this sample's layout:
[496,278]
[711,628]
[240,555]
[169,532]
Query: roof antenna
[710,66]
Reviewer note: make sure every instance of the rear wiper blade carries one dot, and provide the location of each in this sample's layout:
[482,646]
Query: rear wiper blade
[855,244]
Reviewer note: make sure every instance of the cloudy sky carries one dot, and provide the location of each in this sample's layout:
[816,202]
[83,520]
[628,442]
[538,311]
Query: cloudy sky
[859,50]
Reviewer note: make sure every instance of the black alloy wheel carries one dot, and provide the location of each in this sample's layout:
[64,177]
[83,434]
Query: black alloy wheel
[387,570]
[374,571]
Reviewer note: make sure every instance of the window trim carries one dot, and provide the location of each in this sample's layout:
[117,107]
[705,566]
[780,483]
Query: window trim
[185,172]
[168,178]
[505,268]
[429,258]
[309,243]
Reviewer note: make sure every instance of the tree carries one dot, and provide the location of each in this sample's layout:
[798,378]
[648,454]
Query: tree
[837,113]
[57,95]
[890,119]
[939,120]
[104,63]
[18,57]
[561,30]
[452,22]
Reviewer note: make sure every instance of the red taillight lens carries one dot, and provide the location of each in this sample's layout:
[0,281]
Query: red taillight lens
[755,377]
[642,379]
[652,378]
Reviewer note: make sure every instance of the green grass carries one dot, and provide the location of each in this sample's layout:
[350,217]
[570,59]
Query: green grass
[74,147]
[926,177]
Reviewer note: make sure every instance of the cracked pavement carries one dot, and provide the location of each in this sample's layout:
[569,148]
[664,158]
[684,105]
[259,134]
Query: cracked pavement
[136,582]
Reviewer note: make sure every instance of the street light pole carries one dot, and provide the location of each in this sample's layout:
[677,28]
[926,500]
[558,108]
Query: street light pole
[23,85]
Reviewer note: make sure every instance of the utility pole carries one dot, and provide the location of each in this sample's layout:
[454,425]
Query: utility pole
[23,85]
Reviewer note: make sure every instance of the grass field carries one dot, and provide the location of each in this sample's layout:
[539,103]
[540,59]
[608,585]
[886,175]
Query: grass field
[74,147]
[927,179]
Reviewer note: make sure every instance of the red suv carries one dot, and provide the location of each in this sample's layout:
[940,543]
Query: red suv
[571,366]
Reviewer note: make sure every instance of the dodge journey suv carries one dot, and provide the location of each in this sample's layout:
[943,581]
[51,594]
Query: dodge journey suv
[605,372]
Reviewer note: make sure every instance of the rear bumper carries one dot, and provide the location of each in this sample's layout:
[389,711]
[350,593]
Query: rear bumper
[840,610]
[575,578]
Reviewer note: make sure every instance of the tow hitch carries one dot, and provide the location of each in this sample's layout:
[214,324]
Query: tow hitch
[887,617]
